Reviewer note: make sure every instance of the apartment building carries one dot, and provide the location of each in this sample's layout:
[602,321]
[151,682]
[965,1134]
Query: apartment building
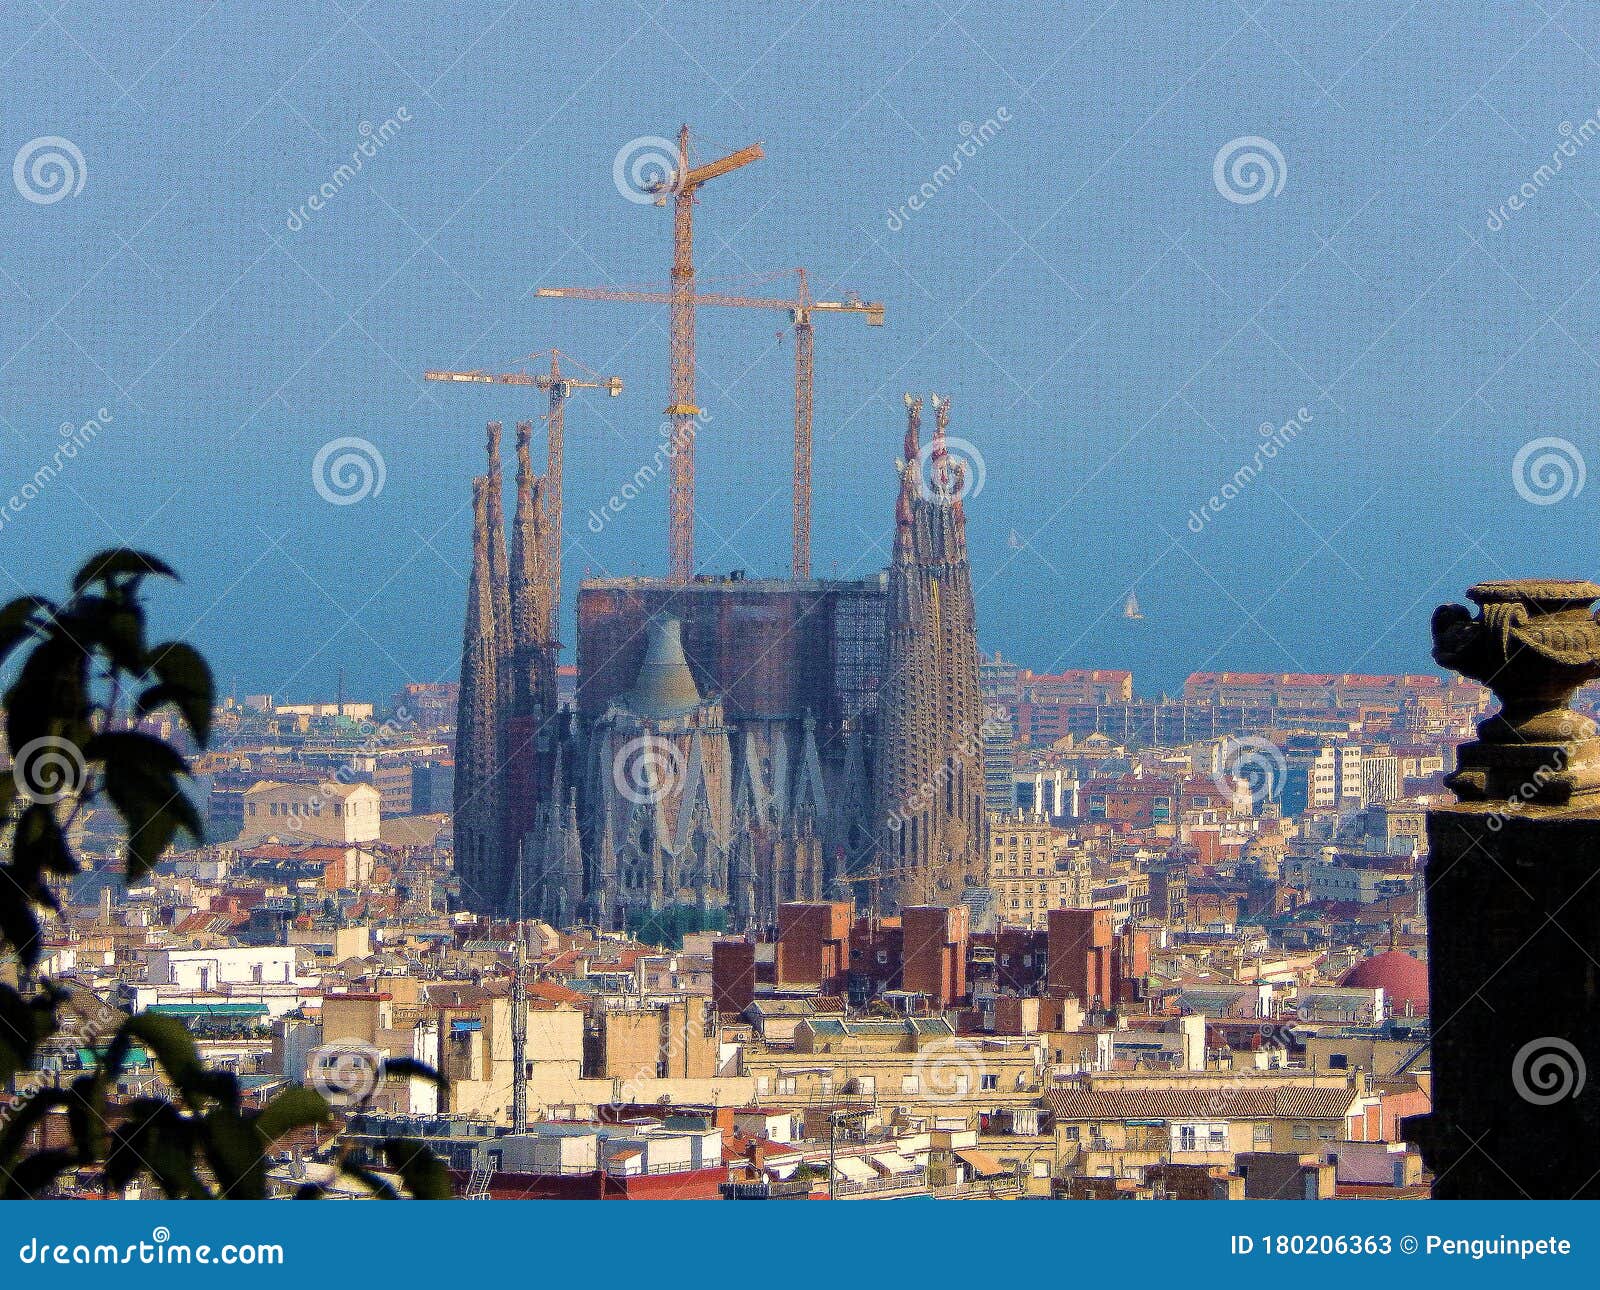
[1033,869]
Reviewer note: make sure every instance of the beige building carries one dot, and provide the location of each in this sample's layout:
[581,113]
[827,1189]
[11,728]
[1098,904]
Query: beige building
[1033,870]
[676,1039]
[1116,1125]
[327,812]
[646,1063]
[928,1076]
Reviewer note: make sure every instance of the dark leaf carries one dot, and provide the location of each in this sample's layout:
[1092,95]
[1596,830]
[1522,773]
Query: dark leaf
[28,1179]
[424,1173]
[294,1108]
[380,1189]
[19,620]
[39,847]
[142,780]
[20,930]
[236,1154]
[24,1022]
[114,625]
[50,699]
[119,561]
[409,1067]
[166,1038]
[154,1138]
[24,1116]
[184,681]
[86,1116]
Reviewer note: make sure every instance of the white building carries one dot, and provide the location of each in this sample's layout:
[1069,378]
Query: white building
[216,969]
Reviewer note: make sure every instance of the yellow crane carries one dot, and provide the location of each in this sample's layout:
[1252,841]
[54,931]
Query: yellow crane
[558,385]
[800,309]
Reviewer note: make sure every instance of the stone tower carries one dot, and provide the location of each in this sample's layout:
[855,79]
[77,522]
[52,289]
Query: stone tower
[929,817]
[499,580]
[532,641]
[480,863]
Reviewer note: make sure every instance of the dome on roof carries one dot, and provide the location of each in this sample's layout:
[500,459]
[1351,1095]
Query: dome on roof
[1402,978]
[665,686]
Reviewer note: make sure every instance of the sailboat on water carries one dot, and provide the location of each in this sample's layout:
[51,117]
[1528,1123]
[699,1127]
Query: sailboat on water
[1131,609]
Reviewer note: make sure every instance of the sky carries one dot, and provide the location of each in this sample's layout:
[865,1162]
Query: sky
[1136,244]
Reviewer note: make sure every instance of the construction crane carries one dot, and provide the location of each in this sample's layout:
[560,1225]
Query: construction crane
[682,183]
[559,387]
[800,310]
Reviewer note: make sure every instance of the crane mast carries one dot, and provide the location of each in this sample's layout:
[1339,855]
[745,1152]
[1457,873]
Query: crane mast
[681,408]
[801,310]
[559,387]
[800,563]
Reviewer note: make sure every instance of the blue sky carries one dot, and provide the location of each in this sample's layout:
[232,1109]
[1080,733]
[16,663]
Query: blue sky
[1113,326]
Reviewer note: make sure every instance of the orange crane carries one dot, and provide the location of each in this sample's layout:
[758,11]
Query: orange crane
[683,182]
[800,310]
[558,386]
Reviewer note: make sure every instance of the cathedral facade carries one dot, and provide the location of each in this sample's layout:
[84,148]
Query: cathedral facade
[734,744]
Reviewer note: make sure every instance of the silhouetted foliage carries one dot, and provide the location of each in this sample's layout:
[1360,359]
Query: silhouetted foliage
[86,681]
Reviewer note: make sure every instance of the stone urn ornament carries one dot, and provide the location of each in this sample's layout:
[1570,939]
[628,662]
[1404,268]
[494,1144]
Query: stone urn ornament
[1533,642]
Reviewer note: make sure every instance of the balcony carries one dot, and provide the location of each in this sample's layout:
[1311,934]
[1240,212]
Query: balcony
[768,1189]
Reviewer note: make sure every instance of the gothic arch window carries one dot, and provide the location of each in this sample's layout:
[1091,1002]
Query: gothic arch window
[635,873]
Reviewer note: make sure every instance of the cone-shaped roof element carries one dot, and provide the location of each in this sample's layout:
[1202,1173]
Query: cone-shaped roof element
[665,687]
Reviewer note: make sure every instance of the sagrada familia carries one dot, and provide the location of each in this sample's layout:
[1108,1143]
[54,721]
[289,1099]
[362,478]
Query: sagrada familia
[734,743]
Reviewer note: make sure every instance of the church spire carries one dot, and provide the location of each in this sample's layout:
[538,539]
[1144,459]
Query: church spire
[499,579]
[477,780]
[910,468]
[533,674]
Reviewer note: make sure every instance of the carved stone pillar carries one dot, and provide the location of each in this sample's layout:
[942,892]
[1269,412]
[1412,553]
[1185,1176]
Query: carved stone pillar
[1513,889]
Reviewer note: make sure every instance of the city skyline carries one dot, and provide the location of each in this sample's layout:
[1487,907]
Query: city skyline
[734,601]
